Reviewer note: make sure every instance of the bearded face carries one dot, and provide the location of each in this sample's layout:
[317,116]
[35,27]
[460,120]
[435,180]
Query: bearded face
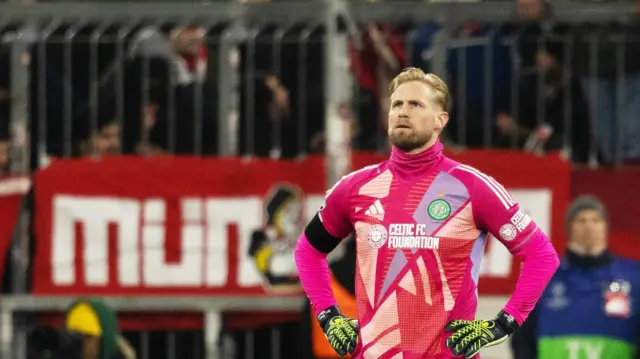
[412,117]
[407,138]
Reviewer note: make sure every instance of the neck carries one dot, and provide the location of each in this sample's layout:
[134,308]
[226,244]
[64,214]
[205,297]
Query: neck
[418,161]
[591,251]
[426,146]
[583,260]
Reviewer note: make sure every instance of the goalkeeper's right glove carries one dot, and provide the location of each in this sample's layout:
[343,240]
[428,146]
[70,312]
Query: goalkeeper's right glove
[341,332]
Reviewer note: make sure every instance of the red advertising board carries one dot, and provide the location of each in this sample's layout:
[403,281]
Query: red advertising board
[182,226]
[135,226]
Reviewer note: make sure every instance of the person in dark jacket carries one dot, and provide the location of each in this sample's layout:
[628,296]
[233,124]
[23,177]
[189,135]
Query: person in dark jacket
[607,62]
[552,112]
[589,309]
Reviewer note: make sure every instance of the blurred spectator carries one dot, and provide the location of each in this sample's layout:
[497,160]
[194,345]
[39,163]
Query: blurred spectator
[103,142]
[532,9]
[98,323]
[282,99]
[470,76]
[188,43]
[430,52]
[543,121]
[90,331]
[179,116]
[130,113]
[281,91]
[184,48]
[67,102]
[160,87]
[607,61]
[590,280]
[374,65]
[185,123]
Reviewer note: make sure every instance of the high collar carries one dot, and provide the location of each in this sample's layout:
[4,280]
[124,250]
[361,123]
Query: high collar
[416,164]
[581,261]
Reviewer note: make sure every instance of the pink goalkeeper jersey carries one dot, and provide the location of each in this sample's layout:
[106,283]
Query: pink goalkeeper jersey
[421,223]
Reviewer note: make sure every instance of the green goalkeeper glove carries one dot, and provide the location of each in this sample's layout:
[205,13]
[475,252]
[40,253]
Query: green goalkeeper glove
[341,332]
[471,336]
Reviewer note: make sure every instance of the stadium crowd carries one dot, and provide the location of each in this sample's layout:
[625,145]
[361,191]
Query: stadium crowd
[534,86]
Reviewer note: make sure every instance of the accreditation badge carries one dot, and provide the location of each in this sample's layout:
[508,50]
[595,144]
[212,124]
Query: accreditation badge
[617,299]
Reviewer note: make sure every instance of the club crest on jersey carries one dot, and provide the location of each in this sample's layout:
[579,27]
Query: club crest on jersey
[617,301]
[377,236]
[439,209]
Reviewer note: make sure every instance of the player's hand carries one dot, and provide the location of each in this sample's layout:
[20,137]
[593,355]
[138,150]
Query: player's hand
[471,336]
[341,332]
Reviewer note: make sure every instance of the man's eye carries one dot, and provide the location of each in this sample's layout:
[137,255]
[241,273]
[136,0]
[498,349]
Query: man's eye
[415,104]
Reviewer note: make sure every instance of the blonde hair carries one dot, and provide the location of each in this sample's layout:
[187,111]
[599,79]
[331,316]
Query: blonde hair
[438,87]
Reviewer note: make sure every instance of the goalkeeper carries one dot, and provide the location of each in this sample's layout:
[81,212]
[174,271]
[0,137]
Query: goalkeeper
[421,222]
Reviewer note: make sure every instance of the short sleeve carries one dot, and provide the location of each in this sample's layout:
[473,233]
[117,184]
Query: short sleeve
[334,213]
[495,211]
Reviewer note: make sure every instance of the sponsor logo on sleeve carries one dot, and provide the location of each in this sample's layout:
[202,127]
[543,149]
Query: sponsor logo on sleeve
[520,220]
[508,232]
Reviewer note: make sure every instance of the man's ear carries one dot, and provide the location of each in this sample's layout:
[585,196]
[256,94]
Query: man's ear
[441,120]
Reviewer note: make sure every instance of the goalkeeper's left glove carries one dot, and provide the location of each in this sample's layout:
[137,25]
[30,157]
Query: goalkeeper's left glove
[471,336]
[341,332]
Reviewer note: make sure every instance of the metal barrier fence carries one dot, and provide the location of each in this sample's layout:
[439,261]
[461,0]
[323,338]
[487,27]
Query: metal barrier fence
[288,80]
[106,88]
[99,83]
[170,80]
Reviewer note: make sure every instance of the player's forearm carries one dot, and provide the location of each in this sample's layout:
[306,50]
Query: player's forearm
[540,263]
[314,274]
